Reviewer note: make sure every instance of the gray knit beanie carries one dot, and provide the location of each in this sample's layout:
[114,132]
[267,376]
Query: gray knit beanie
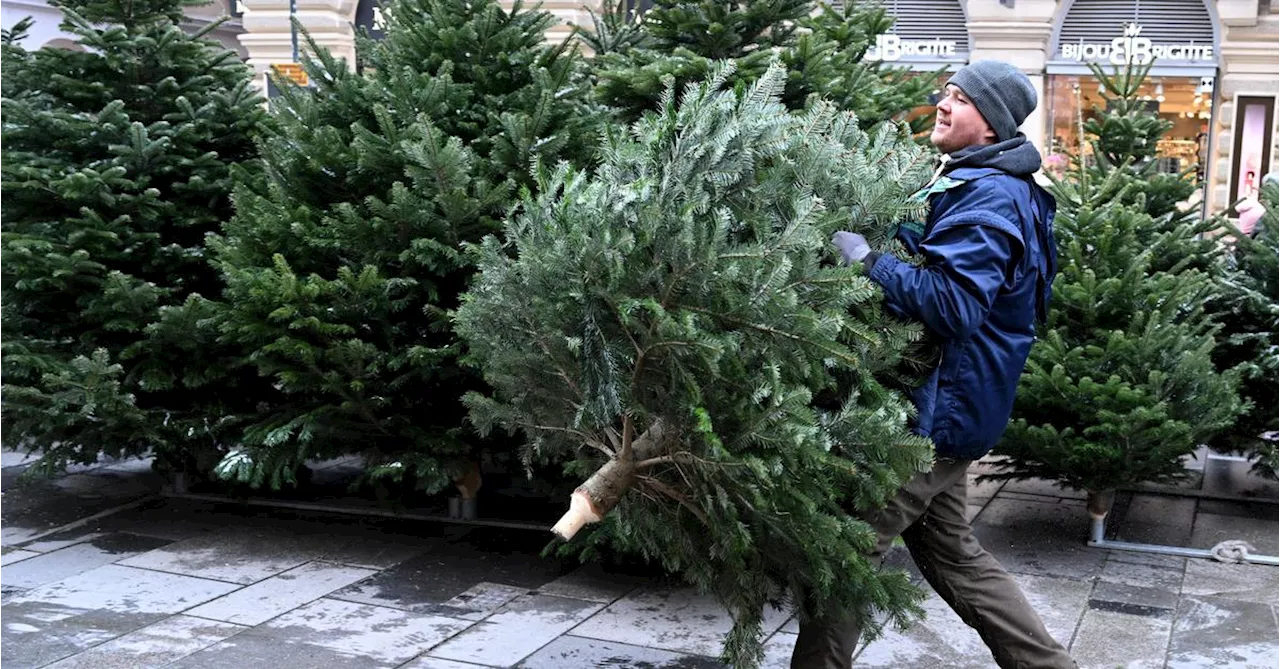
[1001,92]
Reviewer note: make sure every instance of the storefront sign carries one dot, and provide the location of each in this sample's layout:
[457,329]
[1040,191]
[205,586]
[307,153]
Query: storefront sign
[892,47]
[292,71]
[371,15]
[1133,48]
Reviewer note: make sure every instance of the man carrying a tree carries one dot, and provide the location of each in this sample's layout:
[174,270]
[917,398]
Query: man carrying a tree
[989,258]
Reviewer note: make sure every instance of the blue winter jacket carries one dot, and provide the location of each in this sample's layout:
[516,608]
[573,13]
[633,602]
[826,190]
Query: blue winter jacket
[990,258]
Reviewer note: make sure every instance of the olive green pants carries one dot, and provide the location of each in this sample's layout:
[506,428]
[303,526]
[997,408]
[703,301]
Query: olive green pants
[929,513]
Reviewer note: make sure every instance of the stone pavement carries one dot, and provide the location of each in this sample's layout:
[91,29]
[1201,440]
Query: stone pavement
[100,573]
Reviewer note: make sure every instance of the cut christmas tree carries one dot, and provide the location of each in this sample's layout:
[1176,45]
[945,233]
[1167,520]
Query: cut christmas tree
[1249,309]
[672,329]
[116,164]
[1127,135]
[342,263]
[822,45]
[1121,387]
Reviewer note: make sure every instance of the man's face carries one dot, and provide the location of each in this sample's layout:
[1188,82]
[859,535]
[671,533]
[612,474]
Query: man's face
[959,123]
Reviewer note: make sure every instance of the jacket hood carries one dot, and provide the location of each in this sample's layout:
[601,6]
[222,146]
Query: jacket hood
[1015,156]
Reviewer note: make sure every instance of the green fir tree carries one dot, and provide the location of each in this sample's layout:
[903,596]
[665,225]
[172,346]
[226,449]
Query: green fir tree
[1127,132]
[1121,385]
[116,164]
[343,262]
[822,46]
[1249,309]
[673,329]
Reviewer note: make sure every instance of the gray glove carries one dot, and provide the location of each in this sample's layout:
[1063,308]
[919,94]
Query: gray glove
[853,247]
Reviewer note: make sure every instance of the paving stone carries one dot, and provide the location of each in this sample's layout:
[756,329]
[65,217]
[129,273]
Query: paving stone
[60,540]
[1217,632]
[517,630]
[1260,532]
[97,485]
[1108,639]
[1160,509]
[1163,576]
[981,490]
[37,633]
[429,581]
[1028,497]
[168,518]
[128,590]
[972,510]
[1171,562]
[1043,488]
[573,652]
[1119,593]
[592,583]
[437,663]
[480,600]
[350,541]
[369,550]
[269,598]
[234,555]
[77,559]
[152,646]
[940,640]
[1039,538]
[11,535]
[33,507]
[1155,519]
[131,465]
[777,651]
[678,620]
[1268,509]
[1158,534]
[13,555]
[16,458]
[1059,601]
[245,651]
[380,633]
[1231,476]
[1243,582]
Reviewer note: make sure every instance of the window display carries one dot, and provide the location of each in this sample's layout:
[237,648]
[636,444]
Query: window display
[1186,102]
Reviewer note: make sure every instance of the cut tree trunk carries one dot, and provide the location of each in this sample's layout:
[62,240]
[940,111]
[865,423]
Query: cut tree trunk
[599,494]
[1099,503]
[469,483]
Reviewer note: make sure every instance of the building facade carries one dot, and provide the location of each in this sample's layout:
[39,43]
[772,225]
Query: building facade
[1215,71]
[45,29]
[1215,77]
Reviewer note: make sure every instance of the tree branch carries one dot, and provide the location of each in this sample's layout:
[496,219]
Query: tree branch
[674,494]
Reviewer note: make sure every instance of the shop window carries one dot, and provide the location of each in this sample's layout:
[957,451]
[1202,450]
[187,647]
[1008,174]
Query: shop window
[1186,102]
[1251,135]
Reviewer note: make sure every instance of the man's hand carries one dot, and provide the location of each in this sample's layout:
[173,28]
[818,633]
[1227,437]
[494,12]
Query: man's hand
[853,247]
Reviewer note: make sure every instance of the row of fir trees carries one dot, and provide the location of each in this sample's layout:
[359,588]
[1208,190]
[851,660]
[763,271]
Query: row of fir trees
[602,261]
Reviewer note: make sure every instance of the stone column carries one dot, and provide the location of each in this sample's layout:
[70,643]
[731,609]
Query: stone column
[268,37]
[1249,57]
[1019,35]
